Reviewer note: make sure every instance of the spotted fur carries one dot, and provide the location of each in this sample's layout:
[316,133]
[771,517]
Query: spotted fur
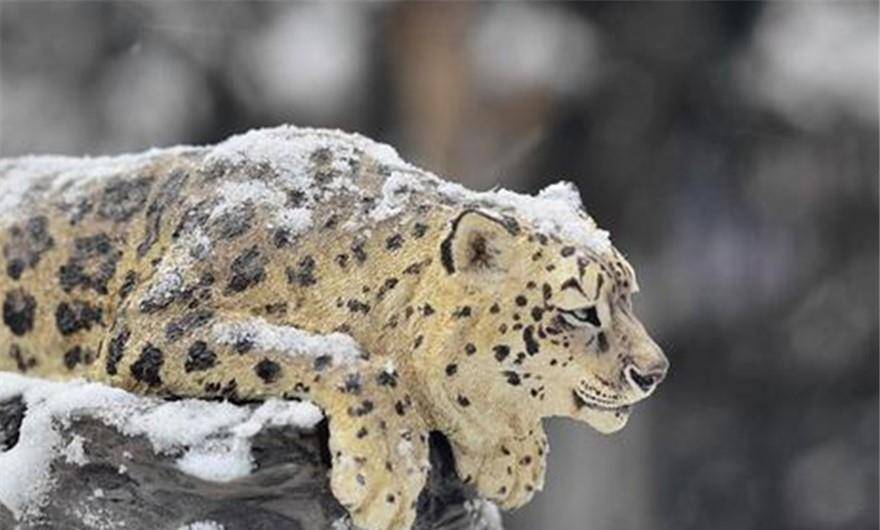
[470,319]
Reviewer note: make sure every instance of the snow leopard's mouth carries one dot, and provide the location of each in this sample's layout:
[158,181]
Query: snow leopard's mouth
[582,401]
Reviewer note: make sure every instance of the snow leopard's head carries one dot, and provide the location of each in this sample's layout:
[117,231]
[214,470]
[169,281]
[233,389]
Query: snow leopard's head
[550,320]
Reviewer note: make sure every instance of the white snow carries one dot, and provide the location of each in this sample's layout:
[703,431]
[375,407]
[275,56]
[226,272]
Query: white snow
[96,517]
[288,340]
[295,220]
[218,460]
[185,422]
[202,525]
[267,198]
[74,452]
[556,210]
[169,281]
[278,413]
[69,175]
[288,149]
[234,193]
[343,523]
[194,245]
[396,191]
[390,367]
[210,440]
[489,513]
[289,153]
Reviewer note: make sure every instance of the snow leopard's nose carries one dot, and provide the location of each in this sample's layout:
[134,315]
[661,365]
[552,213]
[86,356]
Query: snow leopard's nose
[645,382]
[644,376]
[646,364]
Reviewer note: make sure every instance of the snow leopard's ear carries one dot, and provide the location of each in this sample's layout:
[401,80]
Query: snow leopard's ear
[478,242]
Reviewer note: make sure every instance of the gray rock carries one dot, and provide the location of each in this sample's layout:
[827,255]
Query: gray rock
[126,485]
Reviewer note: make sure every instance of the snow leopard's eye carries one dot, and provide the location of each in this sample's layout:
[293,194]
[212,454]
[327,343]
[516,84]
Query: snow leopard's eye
[581,316]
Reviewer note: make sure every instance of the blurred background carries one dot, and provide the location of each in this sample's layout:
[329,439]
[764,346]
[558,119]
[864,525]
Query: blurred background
[731,149]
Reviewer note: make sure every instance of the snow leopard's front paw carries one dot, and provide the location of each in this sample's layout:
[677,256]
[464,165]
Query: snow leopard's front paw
[509,473]
[380,465]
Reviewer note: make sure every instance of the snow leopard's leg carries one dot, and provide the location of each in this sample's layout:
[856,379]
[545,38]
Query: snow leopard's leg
[509,471]
[379,446]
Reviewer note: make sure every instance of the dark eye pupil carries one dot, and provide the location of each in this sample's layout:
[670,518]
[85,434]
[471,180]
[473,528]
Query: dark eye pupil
[589,315]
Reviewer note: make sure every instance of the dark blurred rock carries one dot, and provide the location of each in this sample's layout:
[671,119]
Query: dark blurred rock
[124,484]
[11,414]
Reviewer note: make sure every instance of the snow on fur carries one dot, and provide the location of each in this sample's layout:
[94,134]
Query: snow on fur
[556,210]
[288,340]
[290,153]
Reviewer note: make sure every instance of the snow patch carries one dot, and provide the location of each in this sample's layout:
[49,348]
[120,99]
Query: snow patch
[343,523]
[492,516]
[390,367]
[70,175]
[74,452]
[289,340]
[218,460]
[289,150]
[396,192]
[294,220]
[96,517]
[315,165]
[168,284]
[202,525]
[278,413]
[237,193]
[211,439]
[291,153]
[234,193]
[556,210]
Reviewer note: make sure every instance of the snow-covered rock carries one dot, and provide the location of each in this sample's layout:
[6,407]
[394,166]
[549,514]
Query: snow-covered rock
[80,455]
